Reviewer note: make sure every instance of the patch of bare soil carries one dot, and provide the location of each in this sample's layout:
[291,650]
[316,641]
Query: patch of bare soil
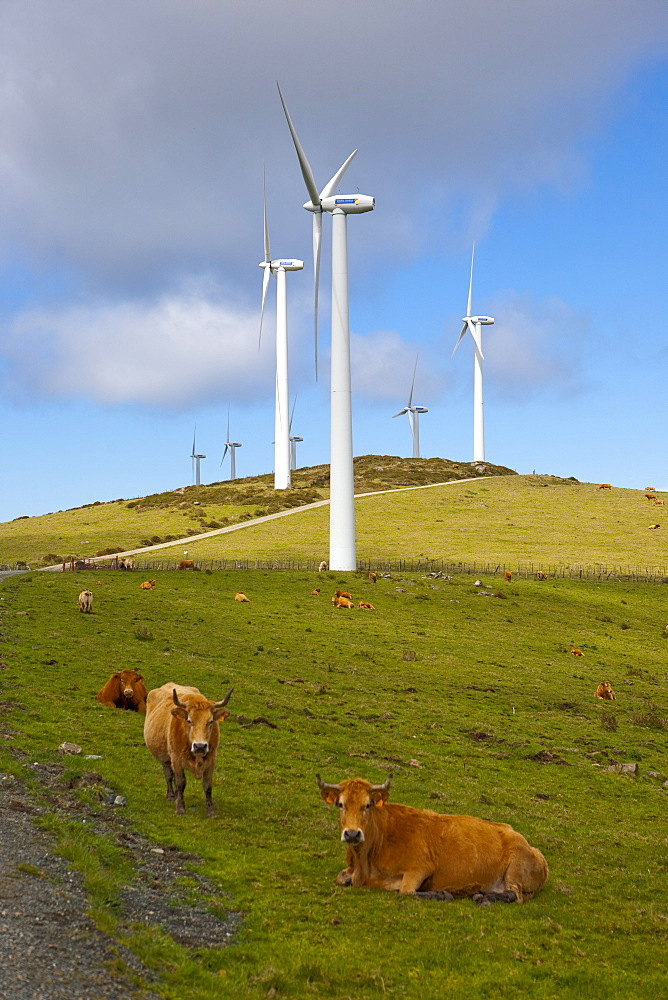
[49,948]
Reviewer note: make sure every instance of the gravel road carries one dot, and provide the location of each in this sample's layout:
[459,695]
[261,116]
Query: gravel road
[49,947]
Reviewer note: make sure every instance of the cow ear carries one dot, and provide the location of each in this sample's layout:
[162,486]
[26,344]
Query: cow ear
[221,714]
[380,797]
[329,798]
[180,713]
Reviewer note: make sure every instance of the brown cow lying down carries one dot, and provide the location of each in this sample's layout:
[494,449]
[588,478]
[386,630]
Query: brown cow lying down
[239,596]
[604,692]
[181,731]
[365,604]
[86,601]
[342,602]
[147,585]
[124,689]
[429,854]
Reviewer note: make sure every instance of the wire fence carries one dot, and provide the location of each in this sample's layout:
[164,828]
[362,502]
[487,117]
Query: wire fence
[427,567]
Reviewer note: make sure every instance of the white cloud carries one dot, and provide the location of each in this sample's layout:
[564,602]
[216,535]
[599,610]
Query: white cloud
[382,367]
[169,353]
[134,133]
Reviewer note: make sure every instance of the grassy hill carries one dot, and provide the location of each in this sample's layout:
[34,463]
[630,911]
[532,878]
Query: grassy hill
[119,525]
[499,518]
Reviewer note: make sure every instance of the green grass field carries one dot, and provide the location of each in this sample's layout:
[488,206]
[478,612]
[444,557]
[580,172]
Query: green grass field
[470,696]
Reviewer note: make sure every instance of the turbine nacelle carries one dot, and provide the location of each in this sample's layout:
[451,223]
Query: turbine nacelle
[351,204]
[483,320]
[289,264]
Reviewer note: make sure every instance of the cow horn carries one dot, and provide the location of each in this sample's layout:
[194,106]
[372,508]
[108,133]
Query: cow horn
[176,699]
[325,787]
[221,704]
[385,787]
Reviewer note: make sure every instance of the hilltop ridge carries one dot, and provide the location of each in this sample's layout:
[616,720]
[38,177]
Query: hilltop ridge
[105,527]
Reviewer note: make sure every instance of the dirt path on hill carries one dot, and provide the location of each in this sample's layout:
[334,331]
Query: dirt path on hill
[50,949]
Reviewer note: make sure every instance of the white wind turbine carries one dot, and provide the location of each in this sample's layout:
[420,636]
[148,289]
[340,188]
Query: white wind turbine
[230,446]
[282,465]
[474,325]
[413,414]
[342,549]
[195,459]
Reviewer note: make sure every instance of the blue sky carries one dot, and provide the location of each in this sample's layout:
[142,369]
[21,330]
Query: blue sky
[133,143]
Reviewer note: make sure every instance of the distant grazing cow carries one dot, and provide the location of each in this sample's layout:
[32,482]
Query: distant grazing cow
[365,604]
[604,692]
[124,689]
[650,496]
[342,593]
[315,593]
[540,575]
[181,731]
[658,503]
[86,601]
[428,854]
[147,585]
[241,597]
[576,652]
[605,486]
[653,527]
[650,489]
[186,564]
[342,602]
[507,577]
[322,567]
[373,577]
[126,563]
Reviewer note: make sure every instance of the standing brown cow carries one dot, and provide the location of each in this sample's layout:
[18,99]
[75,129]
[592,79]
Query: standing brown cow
[429,854]
[181,731]
[124,689]
[86,601]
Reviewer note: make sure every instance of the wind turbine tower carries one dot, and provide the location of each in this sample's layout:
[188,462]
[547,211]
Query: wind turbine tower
[413,414]
[279,267]
[230,446]
[474,325]
[195,458]
[294,441]
[342,544]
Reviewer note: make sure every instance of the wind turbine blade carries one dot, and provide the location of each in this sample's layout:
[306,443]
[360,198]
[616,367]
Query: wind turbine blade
[469,306]
[461,337]
[267,247]
[410,398]
[227,448]
[411,423]
[317,240]
[265,285]
[292,415]
[307,173]
[194,433]
[400,413]
[331,185]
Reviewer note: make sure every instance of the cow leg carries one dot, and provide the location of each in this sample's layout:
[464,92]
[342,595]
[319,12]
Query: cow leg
[180,786]
[169,778]
[207,785]
[487,898]
[345,877]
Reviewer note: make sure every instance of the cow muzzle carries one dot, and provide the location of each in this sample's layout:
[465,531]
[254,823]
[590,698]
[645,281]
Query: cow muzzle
[352,836]
[128,693]
[200,749]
